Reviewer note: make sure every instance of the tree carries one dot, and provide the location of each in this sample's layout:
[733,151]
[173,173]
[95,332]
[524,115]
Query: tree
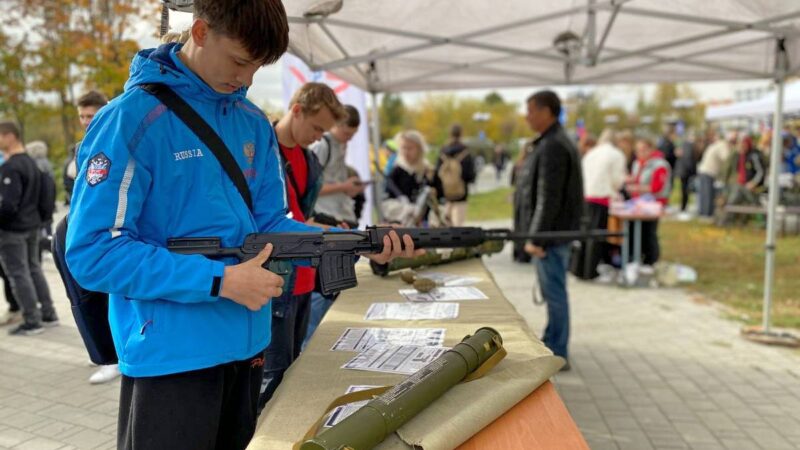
[493,98]
[79,44]
[585,106]
[106,48]
[13,79]
[392,115]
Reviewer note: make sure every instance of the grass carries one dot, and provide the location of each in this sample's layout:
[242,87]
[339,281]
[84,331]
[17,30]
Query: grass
[730,268]
[493,205]
[729,261]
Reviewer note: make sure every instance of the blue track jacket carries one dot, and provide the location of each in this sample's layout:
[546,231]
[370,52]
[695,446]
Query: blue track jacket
[145,177]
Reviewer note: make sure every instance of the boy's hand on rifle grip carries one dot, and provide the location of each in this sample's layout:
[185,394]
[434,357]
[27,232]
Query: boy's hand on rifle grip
[249,284]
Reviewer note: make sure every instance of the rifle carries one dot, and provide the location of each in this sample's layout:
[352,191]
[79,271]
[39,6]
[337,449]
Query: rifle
[334,253]
[325,219]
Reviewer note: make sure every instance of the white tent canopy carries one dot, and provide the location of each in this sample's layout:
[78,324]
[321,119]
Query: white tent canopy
[410,45]
[764,106]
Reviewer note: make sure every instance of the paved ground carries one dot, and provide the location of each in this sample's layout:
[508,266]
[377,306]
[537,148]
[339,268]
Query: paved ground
[46,401]
[660,369]
[651,369]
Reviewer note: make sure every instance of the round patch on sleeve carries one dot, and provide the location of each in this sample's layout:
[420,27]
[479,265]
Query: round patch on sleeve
[99,167]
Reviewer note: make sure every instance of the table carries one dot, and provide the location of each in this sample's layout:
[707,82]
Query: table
[637,220]
[541,421]
[514,403]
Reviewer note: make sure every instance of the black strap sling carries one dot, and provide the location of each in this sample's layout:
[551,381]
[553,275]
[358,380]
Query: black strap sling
[203,130]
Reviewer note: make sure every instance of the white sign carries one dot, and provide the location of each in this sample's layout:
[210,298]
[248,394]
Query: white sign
[448,279]
[444,294]
[402,359]
[360,339]
[412,311]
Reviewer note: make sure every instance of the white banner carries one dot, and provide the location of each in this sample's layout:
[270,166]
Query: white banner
[296,74]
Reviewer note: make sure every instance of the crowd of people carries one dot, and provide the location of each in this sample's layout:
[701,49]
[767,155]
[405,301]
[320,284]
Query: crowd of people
[202,344]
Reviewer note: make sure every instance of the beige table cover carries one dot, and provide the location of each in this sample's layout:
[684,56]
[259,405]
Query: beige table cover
[316,379]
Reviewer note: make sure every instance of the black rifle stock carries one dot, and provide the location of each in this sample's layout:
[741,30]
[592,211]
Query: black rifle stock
[334,253]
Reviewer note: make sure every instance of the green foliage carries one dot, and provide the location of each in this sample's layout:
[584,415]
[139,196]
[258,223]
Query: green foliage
[730,267]
[393,115]
[13,83]
[493,98]
[69,46]
[435,114]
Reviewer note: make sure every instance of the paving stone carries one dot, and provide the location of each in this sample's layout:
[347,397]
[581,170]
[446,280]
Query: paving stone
[10,437]
[39,443]
[651,369]
[87,439]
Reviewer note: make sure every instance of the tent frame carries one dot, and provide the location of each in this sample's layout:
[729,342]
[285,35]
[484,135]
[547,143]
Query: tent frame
[594,55]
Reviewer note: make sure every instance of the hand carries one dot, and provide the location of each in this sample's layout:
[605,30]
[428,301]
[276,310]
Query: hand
[249,284]
[353,186]
[534,250]
[392,248]
[314,223]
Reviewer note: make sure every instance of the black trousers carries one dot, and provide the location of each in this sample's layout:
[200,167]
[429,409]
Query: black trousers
[591,252]
[651,250]
[13,306]
[686,183]
[19,256]
[706,195]
[212,408]
[290,315]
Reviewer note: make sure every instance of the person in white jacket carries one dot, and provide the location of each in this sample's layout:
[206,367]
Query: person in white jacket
[604,174]
[711,170]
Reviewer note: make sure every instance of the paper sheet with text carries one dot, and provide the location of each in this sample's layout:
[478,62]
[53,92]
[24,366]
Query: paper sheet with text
[360,339]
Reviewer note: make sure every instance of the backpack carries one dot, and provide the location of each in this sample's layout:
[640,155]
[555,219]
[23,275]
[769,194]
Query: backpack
[89,308]
[450,173]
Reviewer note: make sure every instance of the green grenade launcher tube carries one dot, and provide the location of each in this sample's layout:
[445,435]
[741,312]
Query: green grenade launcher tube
[383,415]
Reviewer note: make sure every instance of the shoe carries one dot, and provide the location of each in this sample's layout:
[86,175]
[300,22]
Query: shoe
[566,367]
[50,321]
[27,329]
[105,374]
[10,318]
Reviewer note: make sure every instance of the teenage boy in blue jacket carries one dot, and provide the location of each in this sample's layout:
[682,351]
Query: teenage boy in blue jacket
[189,331]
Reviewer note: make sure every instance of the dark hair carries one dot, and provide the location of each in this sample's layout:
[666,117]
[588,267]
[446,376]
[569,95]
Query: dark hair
[455,131]
[547,99]
[9,127]
[260,25]
[92,98]
[352,118]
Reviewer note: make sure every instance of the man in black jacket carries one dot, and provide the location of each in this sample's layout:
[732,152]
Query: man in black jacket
[550,197]
[20,219]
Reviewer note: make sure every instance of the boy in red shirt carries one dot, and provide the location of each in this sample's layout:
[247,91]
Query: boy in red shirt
[314,109]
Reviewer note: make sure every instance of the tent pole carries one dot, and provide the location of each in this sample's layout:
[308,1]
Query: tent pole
[376,152]
[774,168]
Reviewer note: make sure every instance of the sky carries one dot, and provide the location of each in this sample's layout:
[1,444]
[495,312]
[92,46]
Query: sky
[267,88]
